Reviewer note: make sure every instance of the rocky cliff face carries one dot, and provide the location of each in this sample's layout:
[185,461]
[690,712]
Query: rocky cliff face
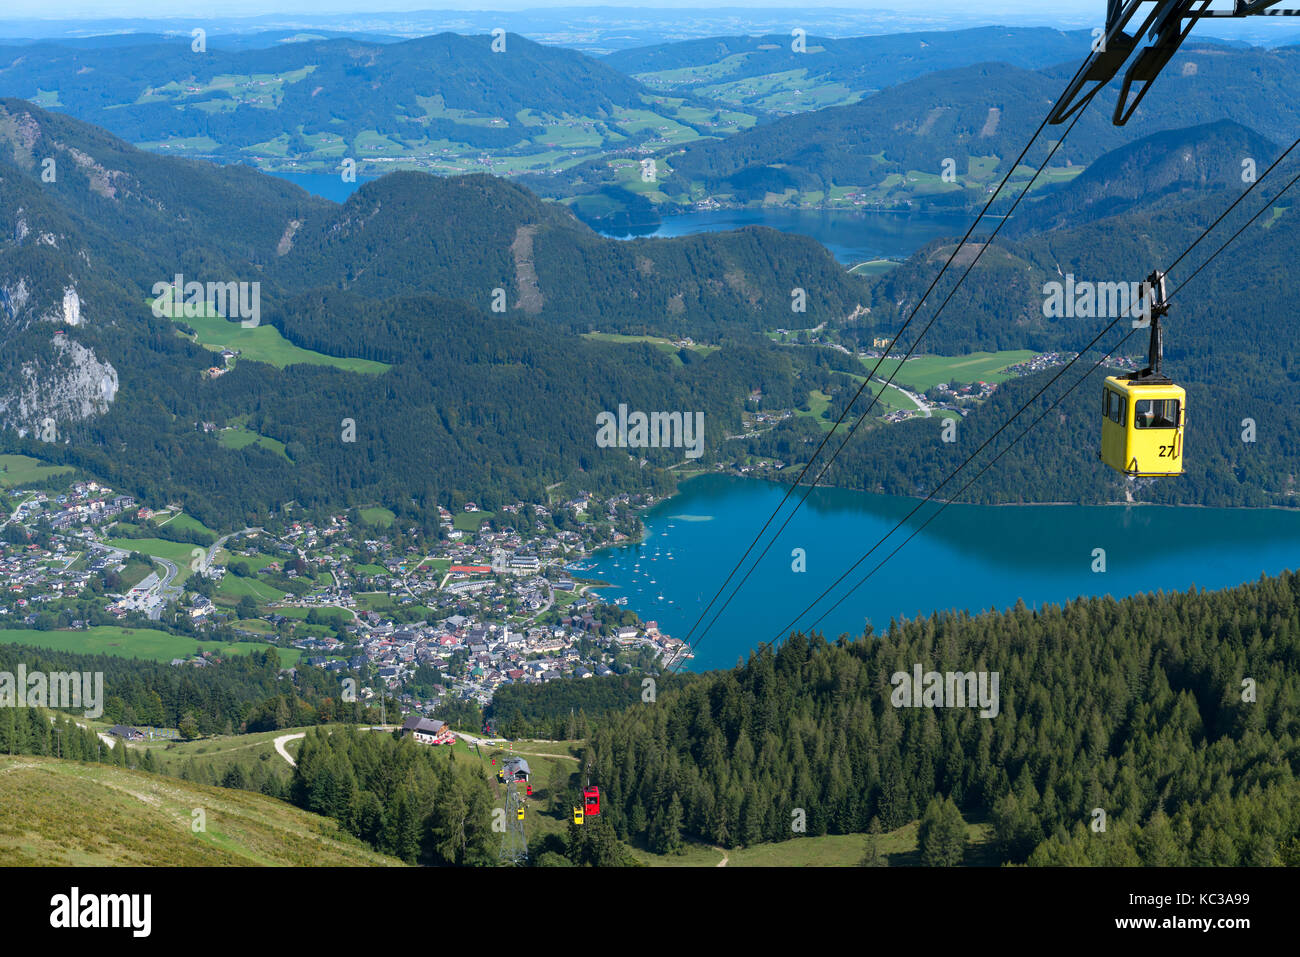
[72,386]
[40,272]
[36,281]
[67,385]
[19,308]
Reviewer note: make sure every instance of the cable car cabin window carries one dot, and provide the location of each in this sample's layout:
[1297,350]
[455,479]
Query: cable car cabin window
[1112,406]
[1155,414]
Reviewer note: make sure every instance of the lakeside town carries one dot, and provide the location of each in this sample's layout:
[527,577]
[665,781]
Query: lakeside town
[492,600]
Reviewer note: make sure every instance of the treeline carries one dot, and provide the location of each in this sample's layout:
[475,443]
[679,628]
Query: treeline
[262,774]
[564,710]
[244,693]
[37,731]
[1175,715]
[414,802]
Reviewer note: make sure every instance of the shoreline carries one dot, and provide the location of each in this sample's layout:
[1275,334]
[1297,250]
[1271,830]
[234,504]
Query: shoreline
[919,498]
[641,537]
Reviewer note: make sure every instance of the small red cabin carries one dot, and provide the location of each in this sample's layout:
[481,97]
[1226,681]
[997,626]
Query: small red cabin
[591,801]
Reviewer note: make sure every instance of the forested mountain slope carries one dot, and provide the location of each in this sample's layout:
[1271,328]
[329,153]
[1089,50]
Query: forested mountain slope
[1152,173]
[1143,708]
[1106,231]
[82,209]
[459,403]
[464,237]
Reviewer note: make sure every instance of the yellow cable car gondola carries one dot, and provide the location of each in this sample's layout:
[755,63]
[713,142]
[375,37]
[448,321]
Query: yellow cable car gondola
[577,815]
[1143,413]
[521,812]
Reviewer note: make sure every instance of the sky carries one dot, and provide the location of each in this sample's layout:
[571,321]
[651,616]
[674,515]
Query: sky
[107,9]
[370,14]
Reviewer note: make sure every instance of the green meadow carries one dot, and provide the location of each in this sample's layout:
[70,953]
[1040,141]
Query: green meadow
[241,438]
[125,642]
[233,588]
[263,343]
[898,848]
[470,521]
[925,372]
[378,516]
[18,470]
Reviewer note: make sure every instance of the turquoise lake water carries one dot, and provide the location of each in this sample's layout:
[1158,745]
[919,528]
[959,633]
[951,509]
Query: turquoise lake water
[326,185]
[969,557]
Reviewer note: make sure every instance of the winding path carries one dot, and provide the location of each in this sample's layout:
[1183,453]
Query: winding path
[284,739]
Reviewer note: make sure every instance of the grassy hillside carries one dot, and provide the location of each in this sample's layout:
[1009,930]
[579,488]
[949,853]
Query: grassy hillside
[132,643]
[265,344]
[925,372]
[221,752]
[66,813]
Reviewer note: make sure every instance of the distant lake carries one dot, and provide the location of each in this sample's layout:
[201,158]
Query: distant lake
[971,557]
[326,185]
[852,235]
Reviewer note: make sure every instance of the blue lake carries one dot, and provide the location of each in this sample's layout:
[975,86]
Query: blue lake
[326,185]
[969,557]
[852,236]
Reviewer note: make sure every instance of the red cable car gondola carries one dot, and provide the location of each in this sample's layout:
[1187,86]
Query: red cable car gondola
[591,801]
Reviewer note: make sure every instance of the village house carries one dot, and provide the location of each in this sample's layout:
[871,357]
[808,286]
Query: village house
[426,730]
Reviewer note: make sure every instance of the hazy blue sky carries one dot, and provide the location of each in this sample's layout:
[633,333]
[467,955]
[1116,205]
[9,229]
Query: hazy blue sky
[96,9]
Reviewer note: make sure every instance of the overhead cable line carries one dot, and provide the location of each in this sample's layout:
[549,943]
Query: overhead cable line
[780,635]
[790,490]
